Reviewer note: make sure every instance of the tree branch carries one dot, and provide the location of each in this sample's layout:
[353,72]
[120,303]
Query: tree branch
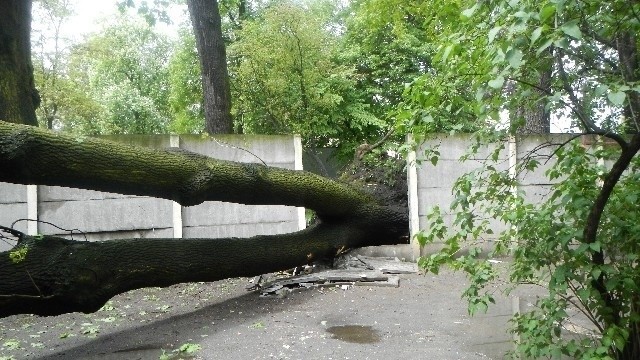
[29,155]
[59,276]
[590,126]
[590,230]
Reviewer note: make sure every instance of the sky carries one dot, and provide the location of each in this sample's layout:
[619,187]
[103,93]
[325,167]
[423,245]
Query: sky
[90,16]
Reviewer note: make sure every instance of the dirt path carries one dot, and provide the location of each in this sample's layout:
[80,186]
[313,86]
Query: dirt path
[424,318]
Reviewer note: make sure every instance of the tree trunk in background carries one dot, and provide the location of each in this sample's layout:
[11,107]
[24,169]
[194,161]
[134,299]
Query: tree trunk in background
[627,46]
[207,27]
[537,120]
[18,95]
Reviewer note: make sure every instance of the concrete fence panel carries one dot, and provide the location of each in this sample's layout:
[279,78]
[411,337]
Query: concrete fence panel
[431,185]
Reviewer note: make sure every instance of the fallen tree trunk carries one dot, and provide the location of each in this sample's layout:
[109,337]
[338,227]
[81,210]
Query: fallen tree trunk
[58,276]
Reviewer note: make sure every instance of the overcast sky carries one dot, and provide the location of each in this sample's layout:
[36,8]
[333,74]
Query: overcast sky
[90,16]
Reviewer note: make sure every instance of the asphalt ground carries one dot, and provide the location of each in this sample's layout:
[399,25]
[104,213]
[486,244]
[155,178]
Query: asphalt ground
[423,318]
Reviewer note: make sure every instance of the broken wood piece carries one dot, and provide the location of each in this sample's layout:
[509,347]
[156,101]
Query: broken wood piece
[331,278]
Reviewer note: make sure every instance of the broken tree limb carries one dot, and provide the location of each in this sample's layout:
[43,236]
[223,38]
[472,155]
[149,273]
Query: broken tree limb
[29,155]
[57,275]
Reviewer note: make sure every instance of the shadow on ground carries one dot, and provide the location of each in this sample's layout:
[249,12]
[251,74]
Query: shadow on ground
[148,341]
[423,318]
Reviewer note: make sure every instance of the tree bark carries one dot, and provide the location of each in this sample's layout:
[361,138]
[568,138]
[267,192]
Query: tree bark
[207,27]
[18,95]
[627,48]
[59,276]
[537,119]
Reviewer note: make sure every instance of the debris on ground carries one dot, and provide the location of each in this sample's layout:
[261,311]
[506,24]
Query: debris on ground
[348,271]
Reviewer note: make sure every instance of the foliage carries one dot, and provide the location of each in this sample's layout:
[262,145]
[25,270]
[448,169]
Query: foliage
[285,79]
[113,82]
[48,56]
[545,239]
[187,349]
[151,12]
[391,43]
[18,254]
[388,44]
[125,68]
[185,81]
[498,50]
[382,172]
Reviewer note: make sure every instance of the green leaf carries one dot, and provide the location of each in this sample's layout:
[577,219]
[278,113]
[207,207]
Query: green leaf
[447,52]
[571,28]
[562,43]
[493,32]
[18,254]
[617,97]
[514,57]
[601,89]
[547,12]
[258,325]
[497,82]
[544,46]
[189,348]
[469,12]
[535,35]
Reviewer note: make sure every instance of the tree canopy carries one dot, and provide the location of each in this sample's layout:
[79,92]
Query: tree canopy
[578,61]
[287,79]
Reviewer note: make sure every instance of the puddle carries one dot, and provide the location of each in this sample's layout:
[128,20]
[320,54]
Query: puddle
[138,352]
[358,334]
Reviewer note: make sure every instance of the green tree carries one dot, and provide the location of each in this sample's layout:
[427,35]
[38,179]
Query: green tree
[387,43]
[48,55]
[206,22]
[125,69]
[207,28]
[580,242]
[391,44]
[18,95]
[286,79]
[185,84]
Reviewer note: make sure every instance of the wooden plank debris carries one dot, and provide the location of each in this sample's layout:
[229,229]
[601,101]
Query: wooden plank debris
[330,278]
[347,271]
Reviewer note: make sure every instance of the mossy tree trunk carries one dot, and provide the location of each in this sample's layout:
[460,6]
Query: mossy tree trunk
[18,96]
[58,275]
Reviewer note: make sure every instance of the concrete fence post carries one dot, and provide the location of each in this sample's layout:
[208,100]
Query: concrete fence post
[174,142]
[513,175]
[412,193]
[32,210]
[297,147]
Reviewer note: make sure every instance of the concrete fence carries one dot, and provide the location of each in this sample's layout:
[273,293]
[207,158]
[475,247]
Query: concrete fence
[431,185]
[102,216]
